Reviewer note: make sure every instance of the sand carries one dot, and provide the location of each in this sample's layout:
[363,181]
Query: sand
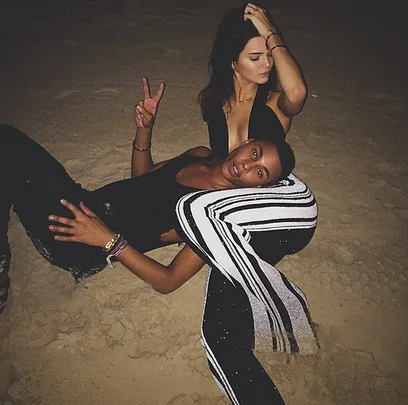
[70,76]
